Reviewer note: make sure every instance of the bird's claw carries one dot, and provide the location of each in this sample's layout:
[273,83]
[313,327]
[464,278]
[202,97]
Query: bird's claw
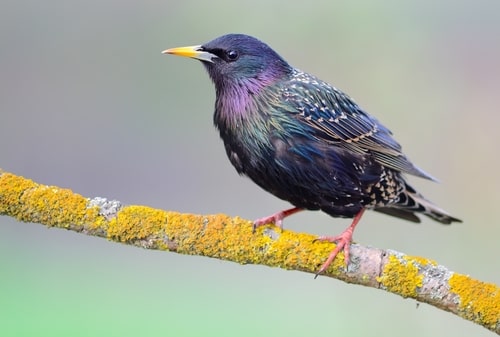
[276,219]
[343,242]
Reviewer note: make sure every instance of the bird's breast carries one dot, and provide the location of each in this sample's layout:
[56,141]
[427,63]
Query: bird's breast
[246,140]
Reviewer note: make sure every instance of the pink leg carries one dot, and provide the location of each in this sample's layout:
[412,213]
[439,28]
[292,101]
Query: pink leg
[276,218]
[343,243]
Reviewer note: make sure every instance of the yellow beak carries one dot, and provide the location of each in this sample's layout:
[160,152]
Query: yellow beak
[195,52]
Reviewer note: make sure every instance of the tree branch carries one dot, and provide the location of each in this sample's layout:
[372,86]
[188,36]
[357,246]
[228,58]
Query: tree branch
[226,238]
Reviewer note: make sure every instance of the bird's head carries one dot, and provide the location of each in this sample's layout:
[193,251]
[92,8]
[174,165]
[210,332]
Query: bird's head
[237,60]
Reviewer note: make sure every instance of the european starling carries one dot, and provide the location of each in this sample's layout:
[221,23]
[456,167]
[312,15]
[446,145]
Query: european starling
[306,141]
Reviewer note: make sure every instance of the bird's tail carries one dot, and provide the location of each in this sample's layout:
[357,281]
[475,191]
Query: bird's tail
[412,202]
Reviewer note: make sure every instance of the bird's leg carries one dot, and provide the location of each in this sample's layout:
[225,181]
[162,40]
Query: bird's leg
[276,218]
[343,241]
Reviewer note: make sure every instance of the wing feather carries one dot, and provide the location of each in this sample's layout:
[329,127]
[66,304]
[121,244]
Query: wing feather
[336,118]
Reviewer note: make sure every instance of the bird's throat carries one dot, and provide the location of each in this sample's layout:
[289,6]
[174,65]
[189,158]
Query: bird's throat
[234,104]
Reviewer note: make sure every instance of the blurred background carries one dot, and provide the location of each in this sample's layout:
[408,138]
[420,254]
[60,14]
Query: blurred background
[88,102]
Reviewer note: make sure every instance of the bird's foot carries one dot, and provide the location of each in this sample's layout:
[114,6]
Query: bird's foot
[276,218]
[343,242]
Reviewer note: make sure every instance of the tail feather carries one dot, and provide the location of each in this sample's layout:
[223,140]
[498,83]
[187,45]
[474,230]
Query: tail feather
[399,213]
[412,202]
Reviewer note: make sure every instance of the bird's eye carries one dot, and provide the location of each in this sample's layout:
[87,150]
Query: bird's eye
[232,55]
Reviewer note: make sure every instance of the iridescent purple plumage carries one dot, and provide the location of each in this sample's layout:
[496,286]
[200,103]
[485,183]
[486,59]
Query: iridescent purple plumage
[305,141]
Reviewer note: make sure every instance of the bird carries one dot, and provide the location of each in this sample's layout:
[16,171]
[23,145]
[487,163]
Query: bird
[305,141]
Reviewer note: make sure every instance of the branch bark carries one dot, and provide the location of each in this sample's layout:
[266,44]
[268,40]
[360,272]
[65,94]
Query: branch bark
[231,238]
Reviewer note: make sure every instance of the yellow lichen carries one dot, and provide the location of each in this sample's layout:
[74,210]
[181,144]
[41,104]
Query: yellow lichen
[12,188]
[301,249]
[50,205]
[232,239]
[224,237]
[183,229]
[134,223]
[214,235]
[97,222]
[401,276]
[54,206]
[420,260]
[235,240]
[479,301]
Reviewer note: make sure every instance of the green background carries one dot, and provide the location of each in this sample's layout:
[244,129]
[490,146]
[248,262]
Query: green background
[88,102]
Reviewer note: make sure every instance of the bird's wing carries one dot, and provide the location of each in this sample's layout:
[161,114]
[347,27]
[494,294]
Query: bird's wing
[336,118]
